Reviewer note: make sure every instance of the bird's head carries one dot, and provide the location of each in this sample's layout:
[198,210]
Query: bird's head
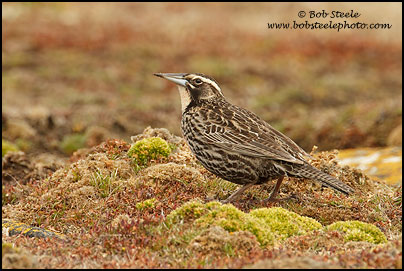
[194,88]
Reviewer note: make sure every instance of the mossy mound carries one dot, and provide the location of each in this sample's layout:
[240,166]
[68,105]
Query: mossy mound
[78,191]
[180,153]
[149,149]
[359,231]
[268,224]
[105,178]
[284,222]
[188,211]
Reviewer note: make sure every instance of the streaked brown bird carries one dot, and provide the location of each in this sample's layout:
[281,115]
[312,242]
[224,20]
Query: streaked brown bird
[235,144]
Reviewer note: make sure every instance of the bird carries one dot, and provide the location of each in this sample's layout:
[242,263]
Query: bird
[235,144]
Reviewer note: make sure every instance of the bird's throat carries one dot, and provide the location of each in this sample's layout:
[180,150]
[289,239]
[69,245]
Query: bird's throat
[185,98]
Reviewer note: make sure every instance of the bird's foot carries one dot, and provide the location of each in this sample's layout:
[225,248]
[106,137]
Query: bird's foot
[224,201]
[236,194]
[209,199]
[274,199]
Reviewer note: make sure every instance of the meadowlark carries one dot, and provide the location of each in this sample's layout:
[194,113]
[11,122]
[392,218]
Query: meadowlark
[235,144]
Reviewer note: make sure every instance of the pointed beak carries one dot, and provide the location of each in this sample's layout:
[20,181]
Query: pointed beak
[177,78]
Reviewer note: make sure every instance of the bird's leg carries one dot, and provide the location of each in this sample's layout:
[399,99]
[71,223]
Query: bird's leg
[236,194]
[272,197]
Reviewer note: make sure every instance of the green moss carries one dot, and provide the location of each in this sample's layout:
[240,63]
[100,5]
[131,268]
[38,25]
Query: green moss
[232,219]
[285,223]
[147,204]
[7,146]
[226,216]
[267,224]
[188,211]
[73,142]
[359,231]
[149,148]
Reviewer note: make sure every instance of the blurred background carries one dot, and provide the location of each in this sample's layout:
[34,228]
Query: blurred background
[75,74]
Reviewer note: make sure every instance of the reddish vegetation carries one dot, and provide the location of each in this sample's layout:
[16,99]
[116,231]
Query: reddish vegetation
[96,203]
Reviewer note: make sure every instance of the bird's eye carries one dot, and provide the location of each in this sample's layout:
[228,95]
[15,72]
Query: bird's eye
[198,81]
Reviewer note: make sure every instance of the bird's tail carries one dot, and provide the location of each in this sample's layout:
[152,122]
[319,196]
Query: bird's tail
[310,172]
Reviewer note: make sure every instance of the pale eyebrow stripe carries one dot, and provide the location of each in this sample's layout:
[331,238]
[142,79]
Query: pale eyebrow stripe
[206,80]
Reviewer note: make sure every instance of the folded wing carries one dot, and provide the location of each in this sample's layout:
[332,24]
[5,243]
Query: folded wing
[245,133]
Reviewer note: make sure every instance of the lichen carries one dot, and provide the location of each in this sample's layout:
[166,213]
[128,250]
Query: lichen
[14,228]
[149,149]
[359,231]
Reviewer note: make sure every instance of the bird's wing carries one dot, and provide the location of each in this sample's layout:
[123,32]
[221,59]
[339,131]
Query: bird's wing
[251,148]
[243,132]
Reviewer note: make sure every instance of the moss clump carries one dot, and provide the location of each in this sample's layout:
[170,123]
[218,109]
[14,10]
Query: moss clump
[232,219]
[73,142]
[148,149]
[359,231]
[7,146]
[266,224]
[147,204]
[226,216]
[188,211]
[286,223]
